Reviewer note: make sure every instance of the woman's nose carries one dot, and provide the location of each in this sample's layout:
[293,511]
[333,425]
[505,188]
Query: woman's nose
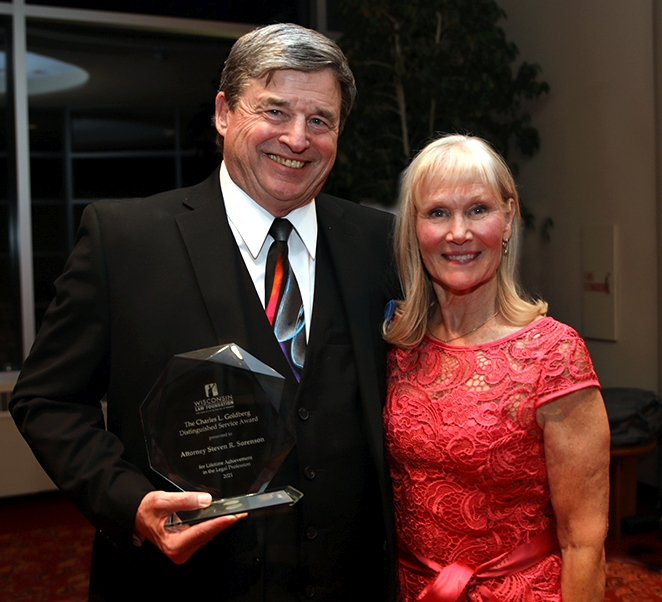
[459,230]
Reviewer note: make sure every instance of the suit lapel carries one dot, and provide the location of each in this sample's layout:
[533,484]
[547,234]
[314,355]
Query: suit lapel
[227,290]
[346,246]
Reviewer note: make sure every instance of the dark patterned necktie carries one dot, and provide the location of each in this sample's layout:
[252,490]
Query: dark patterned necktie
[283,303]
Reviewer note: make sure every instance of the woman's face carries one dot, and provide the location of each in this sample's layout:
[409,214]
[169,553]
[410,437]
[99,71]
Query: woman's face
[460,231]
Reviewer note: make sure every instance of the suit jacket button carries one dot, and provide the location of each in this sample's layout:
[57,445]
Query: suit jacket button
[311,533]
[303,414]
[310,591]
[309,473]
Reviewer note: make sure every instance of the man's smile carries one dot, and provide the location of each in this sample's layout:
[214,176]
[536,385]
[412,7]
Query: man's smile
[287,162]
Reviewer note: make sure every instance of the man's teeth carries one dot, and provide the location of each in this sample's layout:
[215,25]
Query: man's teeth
[287,162]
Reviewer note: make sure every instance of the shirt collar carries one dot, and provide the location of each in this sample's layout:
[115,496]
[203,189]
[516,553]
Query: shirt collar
[253,221]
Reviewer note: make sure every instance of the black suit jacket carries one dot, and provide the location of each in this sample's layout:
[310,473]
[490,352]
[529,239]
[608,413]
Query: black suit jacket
[150,278]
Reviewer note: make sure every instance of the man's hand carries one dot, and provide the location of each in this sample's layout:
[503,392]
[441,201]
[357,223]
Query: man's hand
[178,545]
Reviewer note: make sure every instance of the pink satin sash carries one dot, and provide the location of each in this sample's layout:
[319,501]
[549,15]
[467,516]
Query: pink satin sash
[453,579]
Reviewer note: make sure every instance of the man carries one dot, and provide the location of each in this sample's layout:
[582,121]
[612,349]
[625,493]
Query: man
[185,270]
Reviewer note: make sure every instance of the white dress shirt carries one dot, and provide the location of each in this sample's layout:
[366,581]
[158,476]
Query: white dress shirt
[250,225]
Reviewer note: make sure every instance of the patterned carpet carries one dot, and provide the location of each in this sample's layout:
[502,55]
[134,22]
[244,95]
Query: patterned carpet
[49,564]
[630,582]
[45,547]
[634,567]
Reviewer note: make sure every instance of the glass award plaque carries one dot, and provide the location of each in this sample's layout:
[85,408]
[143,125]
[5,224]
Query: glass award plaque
[214,422]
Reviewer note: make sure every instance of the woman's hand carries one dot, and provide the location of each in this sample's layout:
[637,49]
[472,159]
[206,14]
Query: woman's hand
[576,439]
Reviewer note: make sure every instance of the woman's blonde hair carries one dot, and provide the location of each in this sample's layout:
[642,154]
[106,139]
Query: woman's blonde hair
[448,162]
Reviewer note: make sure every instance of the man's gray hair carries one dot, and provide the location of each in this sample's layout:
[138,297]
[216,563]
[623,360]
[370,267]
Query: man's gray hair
[262,51]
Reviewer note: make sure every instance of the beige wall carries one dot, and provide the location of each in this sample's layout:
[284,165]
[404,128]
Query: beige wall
[596,166]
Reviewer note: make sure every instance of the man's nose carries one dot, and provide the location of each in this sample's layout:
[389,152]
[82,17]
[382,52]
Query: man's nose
[296,135]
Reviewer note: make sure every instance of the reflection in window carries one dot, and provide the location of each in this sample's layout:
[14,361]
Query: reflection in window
[139,124]
[46,75]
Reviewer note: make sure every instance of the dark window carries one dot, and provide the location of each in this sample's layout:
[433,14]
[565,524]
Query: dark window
[240,11]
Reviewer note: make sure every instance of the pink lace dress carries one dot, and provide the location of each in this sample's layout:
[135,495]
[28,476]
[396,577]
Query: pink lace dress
[466,453]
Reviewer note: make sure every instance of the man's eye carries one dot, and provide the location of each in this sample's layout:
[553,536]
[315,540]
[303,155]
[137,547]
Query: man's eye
[319,123]
[277,114]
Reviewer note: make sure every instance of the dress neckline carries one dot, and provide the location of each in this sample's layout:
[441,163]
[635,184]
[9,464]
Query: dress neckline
[430,339]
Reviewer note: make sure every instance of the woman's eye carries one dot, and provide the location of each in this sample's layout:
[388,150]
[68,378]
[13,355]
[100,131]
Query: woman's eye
[478,210]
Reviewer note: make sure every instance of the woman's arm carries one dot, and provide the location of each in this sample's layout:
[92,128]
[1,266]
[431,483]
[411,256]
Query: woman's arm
[576,438]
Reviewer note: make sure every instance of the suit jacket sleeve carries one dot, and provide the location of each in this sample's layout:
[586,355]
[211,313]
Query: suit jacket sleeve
[57,400]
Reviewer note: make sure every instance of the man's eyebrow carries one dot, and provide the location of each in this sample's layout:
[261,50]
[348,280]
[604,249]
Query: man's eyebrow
[328,115]
[274,101]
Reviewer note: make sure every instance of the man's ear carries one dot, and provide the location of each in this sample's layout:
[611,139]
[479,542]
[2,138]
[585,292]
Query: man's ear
[221,114]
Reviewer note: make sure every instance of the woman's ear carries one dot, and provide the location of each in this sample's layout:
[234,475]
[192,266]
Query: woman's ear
[510,216]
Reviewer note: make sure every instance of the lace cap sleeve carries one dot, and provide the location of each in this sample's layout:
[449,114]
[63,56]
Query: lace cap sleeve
[565,366]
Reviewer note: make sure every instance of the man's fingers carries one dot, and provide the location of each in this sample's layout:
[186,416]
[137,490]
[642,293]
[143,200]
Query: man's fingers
[183,544]
[157,506]
[165,503]
[180,544]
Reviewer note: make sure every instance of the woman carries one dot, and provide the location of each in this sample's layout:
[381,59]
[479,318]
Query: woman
[496,432]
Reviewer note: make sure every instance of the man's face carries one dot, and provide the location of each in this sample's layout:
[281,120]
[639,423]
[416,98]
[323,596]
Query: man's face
[280,140]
